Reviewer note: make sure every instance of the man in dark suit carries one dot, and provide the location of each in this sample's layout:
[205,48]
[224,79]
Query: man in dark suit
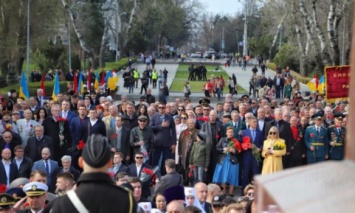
[24,164]
[213,130]
[77,123]
[119,139]
[92,126]
[172,178]
[40,98]
[5,165]
[250,166]
[52,128]
[284,132]
[201,194]
[46,165]
[135,170]
[117,165]
[130,120]
[237,124]
[262,121]
[163,127]
[36,143]
[66,113]
[8,141]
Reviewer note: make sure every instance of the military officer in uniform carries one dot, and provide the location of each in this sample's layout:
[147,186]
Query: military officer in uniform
[336,134]
[6,203]
[36,197]
[96,192]
[316,140]
[12,100]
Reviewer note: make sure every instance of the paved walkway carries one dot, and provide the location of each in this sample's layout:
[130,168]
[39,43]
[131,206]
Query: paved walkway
[243,77]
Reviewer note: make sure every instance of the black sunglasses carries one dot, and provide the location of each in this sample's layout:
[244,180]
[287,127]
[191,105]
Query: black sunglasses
[139,157]
[272,133]
[161,107]
[143,121]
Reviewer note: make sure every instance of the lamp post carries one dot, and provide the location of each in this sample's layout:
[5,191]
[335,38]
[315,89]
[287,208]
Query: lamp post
[28,40]
[69,34]
[245,35]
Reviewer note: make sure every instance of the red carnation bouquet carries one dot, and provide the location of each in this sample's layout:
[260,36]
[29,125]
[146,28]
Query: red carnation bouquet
[81,145]
[147,174]
[235,144]
[113,136]
[61,122]
[247,144]
[191,171]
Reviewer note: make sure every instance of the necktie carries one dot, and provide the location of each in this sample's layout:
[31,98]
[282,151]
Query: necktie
[47,166]
[339,130]
[317,130]
[112,123]
[253,134]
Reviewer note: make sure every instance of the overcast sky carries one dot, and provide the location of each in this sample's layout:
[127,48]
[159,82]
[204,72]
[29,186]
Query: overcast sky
[229,7]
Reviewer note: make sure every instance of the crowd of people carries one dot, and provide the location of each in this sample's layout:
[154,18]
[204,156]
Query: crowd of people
[167,154]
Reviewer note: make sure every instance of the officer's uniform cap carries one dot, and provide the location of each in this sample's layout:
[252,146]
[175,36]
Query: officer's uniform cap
[35,189]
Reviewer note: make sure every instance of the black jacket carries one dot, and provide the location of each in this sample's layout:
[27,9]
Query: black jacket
[34,147]
[13,173]
[98,194]
[25,167]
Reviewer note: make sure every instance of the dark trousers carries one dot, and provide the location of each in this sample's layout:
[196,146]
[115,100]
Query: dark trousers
[249,168]
[145,88]
[278,91]
[157,152]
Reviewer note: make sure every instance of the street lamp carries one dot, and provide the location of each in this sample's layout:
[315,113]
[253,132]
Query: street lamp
[28,40]
[69,34]
[245,35]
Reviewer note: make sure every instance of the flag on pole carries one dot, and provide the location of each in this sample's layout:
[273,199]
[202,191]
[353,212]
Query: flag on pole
[75,83]
[313,84]
[112,80]
[88,81]
[56,87]
[24,93]
[102,82]
[80,84]
[96,84]
[322,86]
[42,85]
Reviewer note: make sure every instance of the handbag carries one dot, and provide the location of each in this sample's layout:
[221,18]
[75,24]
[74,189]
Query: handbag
[233,159]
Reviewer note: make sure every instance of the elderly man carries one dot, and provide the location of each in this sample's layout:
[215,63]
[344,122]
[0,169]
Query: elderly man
[40,98]
[66,113]
[213,190]
[67,167]
[36,143]
[298,148]
[109,120]
[172,178]
[36,196]
[9,141]
[213,129]
[175,206]
[26,126]
[201,194]
[119,139]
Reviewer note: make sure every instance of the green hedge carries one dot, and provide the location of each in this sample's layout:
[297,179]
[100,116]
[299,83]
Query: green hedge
[117,66]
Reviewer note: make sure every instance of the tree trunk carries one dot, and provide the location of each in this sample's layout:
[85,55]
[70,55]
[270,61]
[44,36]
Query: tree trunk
[103,44]
[323,43]
[273,45]
[127,33]
[83,44]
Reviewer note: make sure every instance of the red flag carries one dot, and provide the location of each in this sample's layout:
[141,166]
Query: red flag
[317,80]
[102,78]
[42,86]
[75,83]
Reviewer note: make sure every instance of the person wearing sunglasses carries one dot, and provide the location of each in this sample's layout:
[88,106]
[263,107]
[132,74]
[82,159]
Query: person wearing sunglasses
[179,128]
[273,150]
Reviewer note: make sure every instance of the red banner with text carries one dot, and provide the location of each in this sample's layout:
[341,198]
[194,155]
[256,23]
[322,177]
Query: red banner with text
[337,81]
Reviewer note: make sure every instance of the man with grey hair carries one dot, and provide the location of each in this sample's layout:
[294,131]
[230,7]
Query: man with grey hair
[26,126]
[237,124]
[213,129]
[284,132]
[66,167]
[151,111]
[40,97]
[109,120]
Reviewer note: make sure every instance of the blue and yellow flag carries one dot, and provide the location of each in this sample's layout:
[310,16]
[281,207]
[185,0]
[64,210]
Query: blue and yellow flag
[96,84]
[322,86]
[80,84]
[56,87]
[24,92]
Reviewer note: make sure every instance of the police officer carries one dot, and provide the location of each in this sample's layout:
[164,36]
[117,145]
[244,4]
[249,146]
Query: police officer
[6,203]
[336,134]
[316,140]
[96,192]
[12,100]
[36,197]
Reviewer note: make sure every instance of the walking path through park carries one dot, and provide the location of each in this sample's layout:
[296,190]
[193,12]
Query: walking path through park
[243,78]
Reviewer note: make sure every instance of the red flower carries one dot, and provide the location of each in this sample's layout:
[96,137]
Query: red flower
[203,119]
[111,174]
[191,174]
[312,135]
[61,119]
[148,171]
[246,143]
[217,136]
[237,145]
[113,136]
[81,145]
[2,188]
[298,139]
[186,133]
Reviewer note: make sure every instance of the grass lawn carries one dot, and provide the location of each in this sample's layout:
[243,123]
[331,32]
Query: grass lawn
[196,86]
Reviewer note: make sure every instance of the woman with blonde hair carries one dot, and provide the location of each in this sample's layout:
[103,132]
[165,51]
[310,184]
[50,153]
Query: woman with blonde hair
[273,150]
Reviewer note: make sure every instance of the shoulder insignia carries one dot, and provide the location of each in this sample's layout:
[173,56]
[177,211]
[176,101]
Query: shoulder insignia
[309,127]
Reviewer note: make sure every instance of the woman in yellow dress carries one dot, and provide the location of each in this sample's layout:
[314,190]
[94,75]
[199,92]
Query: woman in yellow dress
[273,150]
